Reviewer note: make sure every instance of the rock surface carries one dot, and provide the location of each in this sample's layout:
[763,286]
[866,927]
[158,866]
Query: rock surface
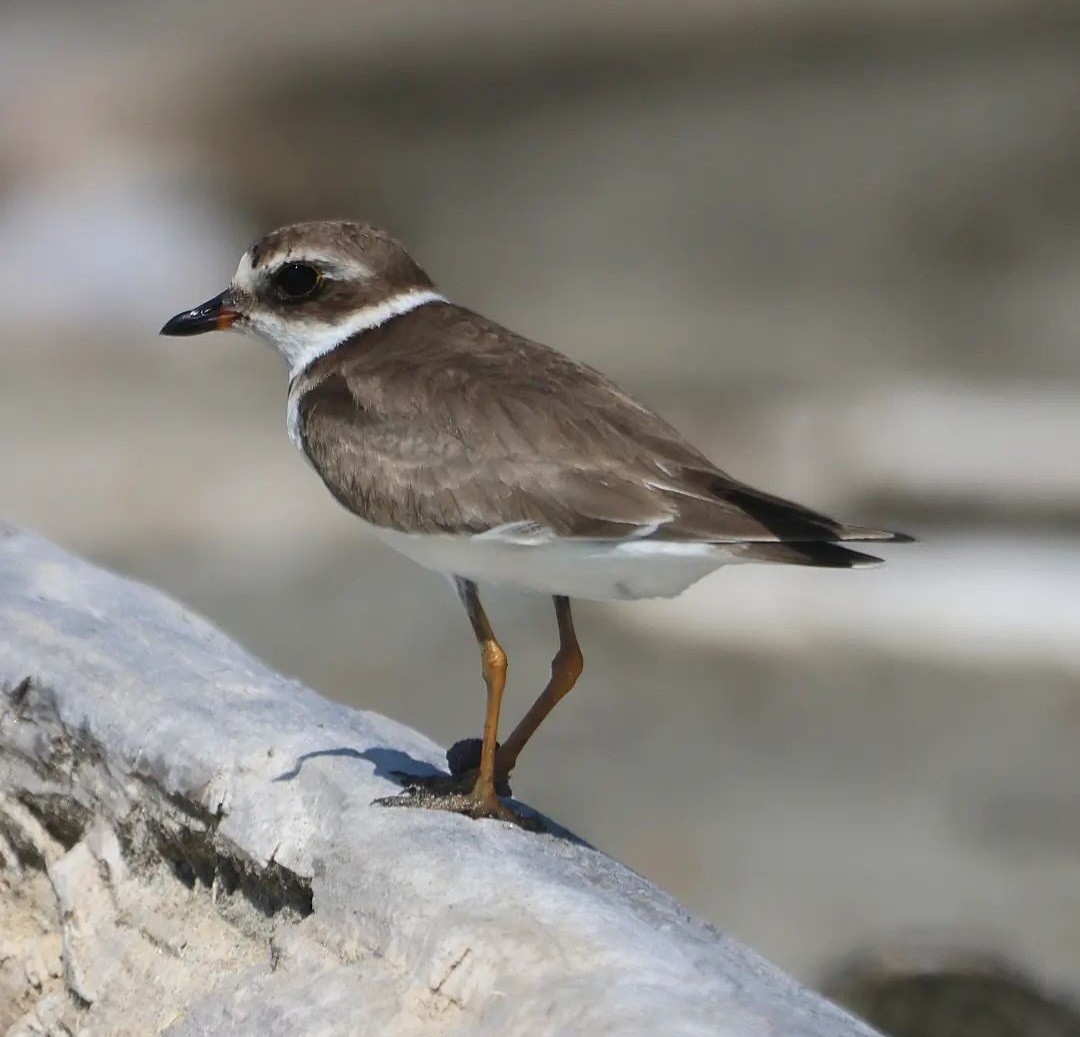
[189,846]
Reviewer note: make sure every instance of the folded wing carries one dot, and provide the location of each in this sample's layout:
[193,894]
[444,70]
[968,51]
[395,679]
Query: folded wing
[524,442]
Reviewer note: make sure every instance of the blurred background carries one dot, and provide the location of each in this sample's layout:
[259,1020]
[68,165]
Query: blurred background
[837,243]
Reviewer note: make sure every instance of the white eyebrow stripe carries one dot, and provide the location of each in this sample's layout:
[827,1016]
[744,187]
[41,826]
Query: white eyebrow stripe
[308,342]
[342,269]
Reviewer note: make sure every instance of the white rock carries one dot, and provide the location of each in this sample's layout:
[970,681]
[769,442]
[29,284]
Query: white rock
[224,869]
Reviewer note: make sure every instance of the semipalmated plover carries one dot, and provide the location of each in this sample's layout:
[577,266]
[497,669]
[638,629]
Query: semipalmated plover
[491,458]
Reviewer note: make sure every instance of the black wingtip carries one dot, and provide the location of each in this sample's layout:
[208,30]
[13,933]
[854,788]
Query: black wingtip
[822,555]
[793,522]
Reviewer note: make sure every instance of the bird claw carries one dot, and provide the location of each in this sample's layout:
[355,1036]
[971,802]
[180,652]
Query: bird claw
[456,791]
[447,794]
[454,783]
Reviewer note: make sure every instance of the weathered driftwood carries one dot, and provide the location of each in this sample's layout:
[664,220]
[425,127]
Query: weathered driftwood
[189,846]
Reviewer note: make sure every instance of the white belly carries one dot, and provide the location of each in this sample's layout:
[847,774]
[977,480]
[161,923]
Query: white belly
[603,570]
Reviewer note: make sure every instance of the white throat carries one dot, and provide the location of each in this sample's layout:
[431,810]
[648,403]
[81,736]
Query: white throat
[302,343]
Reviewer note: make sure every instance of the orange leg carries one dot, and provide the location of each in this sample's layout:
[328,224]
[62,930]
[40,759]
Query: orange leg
[566,667]
[493,660]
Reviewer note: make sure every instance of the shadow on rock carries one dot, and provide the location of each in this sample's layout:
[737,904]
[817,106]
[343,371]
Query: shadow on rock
[390,764]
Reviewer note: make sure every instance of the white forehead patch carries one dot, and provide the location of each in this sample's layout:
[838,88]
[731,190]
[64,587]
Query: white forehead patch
[244,278]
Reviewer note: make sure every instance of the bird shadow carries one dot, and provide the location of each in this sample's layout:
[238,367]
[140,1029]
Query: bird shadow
[391,764]
[399,767]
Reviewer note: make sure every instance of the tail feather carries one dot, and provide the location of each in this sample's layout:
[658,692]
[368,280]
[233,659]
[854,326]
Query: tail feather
[792,522]
[816,553]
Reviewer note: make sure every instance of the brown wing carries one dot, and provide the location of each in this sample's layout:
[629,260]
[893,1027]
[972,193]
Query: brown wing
[441,421]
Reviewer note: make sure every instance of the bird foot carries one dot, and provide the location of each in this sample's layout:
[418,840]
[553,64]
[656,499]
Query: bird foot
[456,791]
[458,795]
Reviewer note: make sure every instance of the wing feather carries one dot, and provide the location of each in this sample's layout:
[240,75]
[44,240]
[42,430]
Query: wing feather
[476,430]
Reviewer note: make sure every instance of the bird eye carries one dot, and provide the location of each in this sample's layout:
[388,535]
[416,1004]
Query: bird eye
[296,281]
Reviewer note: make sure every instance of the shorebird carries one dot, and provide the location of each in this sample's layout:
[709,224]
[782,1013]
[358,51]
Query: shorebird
[493,459]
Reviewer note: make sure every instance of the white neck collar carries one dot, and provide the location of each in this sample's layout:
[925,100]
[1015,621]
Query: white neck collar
[302,345]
